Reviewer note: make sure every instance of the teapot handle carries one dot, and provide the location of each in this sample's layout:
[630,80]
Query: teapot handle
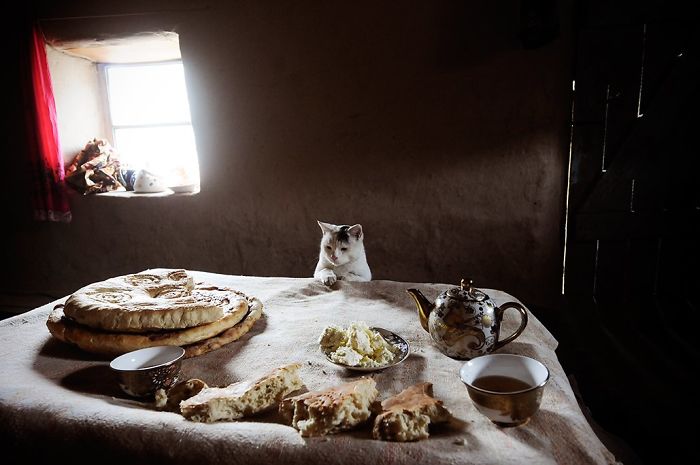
[523,322]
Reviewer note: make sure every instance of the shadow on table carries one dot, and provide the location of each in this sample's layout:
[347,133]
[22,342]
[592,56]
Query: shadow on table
[54,348]
[82,372]
[92,379]
[535,432]
[96,379]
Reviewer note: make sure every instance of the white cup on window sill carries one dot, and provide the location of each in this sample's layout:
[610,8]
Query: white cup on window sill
[147,182]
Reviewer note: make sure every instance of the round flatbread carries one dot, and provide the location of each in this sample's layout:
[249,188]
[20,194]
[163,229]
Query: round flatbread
[228,336]
[151,300]
[198,340]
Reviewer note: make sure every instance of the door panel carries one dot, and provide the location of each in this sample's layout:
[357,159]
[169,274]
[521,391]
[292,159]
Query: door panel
[632,256]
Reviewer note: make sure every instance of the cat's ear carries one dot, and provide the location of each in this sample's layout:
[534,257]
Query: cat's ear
[356,231]
[325,227]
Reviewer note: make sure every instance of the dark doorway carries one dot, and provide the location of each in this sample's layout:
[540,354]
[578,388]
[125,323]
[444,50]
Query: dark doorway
[632,245]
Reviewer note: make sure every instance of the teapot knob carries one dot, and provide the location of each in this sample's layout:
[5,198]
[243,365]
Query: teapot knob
[470,288]
[471,291]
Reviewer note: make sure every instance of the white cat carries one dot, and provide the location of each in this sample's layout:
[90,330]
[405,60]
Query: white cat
[342,254]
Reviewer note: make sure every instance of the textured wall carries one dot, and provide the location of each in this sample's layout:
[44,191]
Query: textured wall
[427,122]
[77,95]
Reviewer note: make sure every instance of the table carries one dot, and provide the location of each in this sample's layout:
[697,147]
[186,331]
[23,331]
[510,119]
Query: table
[58,403]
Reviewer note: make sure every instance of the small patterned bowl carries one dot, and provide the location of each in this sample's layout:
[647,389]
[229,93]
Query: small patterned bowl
[142,372]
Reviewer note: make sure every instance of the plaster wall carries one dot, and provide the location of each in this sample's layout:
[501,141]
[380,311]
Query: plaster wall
[426,122]
[79,106]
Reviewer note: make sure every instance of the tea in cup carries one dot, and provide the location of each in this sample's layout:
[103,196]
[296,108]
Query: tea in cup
[507,388]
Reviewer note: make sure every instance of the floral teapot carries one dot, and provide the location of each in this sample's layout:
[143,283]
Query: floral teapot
[464,322]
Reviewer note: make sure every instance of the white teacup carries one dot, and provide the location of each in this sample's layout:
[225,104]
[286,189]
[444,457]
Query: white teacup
[141,372]
[507,388]
[147,182]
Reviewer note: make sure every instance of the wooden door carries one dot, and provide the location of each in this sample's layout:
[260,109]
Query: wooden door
[631,279]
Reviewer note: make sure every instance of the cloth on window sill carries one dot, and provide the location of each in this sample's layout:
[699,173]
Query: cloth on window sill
[96,169]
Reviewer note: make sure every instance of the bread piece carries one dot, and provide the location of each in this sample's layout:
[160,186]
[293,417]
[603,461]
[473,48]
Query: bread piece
[244,398]
[332,410]
[151,300]
[407,415]
[240,314]
[170,400]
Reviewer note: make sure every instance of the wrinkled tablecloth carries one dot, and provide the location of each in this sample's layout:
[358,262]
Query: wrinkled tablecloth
[60,404]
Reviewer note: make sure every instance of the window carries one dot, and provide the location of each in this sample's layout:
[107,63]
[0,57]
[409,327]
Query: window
[150,118]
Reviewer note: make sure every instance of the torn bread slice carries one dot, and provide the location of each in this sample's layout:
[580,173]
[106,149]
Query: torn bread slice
[407,415]
[170,400]
[332,410]
[244,398]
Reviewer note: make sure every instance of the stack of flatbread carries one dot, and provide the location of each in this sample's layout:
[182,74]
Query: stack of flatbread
[153,308]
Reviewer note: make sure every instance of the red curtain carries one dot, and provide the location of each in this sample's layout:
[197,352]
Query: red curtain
[49,197]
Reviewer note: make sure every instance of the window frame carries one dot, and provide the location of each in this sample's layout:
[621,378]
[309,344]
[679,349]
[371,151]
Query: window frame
[102,69]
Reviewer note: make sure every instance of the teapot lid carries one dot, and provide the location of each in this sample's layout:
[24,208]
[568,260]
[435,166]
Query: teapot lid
[467,292]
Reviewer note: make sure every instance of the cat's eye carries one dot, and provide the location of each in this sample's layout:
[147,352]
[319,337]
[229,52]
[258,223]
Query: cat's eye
[328,247]
[343,249]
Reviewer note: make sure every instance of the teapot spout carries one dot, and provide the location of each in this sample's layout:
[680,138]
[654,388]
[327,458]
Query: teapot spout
[424,306]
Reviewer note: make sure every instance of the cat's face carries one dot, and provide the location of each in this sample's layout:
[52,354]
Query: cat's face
[340,244]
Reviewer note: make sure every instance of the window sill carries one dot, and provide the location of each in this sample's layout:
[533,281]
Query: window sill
[132,194]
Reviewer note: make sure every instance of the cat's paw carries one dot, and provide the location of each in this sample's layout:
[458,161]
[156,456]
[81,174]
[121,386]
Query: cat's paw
[328,278]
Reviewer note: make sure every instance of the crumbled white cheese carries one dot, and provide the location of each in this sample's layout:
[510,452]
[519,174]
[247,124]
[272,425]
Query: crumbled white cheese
[358,345]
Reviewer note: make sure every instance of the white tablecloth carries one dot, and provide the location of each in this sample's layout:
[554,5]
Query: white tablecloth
[59,403]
